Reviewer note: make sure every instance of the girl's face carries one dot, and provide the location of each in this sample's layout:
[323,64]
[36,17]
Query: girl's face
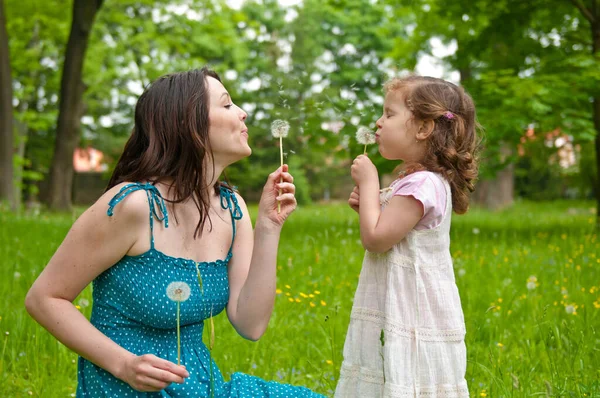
[397,130]
[227,130]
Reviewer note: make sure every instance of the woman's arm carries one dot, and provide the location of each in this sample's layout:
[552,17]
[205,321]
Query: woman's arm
[252,270]
[94,243]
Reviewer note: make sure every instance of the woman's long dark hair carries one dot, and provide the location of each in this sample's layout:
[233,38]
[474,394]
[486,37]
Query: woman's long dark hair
[170,141]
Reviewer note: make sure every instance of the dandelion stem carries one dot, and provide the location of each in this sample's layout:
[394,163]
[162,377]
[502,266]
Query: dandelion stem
[199,279]
[212,375]
[365,152]
[281,178]
[178,337]
[211,343]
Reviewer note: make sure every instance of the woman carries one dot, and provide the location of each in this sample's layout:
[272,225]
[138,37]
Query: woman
[166,219]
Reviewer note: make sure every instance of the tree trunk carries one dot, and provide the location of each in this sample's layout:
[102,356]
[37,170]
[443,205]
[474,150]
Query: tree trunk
[499,192]
[21,130]
[71,104]
[6,117]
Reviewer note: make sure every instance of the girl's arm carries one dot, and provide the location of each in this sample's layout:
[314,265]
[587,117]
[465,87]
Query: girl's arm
[252,270]
[380,230]
[94,243]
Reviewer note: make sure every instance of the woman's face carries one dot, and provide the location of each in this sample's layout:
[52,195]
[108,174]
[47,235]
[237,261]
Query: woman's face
[227,129]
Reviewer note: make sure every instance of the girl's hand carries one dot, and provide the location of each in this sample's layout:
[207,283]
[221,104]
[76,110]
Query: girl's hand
[267,206]
[353,201]
[363,170]
[151,373]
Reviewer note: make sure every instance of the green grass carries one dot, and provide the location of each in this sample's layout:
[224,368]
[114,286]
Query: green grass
[520,342]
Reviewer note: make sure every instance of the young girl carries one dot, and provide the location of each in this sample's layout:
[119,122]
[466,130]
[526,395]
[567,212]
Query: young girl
[168,235]
[406,333]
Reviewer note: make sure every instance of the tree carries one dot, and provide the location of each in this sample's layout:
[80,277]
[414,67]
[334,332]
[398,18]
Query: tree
[6,116]
[71,104]
[591,13]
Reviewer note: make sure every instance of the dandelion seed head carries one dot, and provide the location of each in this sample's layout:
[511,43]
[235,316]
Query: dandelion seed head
[570,309]
[531,285]
[280,128]
[365,136]
[83,303]
[178,291]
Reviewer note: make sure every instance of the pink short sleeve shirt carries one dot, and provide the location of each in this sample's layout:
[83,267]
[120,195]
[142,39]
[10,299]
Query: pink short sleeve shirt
[428,188]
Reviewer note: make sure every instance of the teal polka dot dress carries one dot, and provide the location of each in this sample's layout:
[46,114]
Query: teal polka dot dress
[132,308]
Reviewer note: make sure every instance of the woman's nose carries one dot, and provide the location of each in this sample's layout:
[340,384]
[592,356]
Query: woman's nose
[243,115]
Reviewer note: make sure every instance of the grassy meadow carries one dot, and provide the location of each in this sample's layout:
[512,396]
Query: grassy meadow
[529,279]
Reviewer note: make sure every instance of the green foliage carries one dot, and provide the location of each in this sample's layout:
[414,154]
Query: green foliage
[38,32]
[523,62]
[318,64]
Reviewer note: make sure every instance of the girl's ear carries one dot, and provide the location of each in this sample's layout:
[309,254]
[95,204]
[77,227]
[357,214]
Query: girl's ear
[425,130]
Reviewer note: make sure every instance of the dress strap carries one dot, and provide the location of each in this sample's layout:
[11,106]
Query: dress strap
[229,201]
[158,208]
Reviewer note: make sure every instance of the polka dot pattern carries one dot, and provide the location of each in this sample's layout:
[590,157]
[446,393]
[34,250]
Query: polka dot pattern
[131,307]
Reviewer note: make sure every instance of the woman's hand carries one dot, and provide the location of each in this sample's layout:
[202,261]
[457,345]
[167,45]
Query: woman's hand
[353,201]
[151,373]
[270,196]
[363,171]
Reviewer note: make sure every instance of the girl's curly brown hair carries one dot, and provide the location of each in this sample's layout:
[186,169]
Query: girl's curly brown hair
[453,146]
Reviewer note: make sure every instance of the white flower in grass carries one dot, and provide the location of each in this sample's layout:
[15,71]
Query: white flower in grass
[178,291]
[532,282]
[280,128]
[571,309]
[365,136]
